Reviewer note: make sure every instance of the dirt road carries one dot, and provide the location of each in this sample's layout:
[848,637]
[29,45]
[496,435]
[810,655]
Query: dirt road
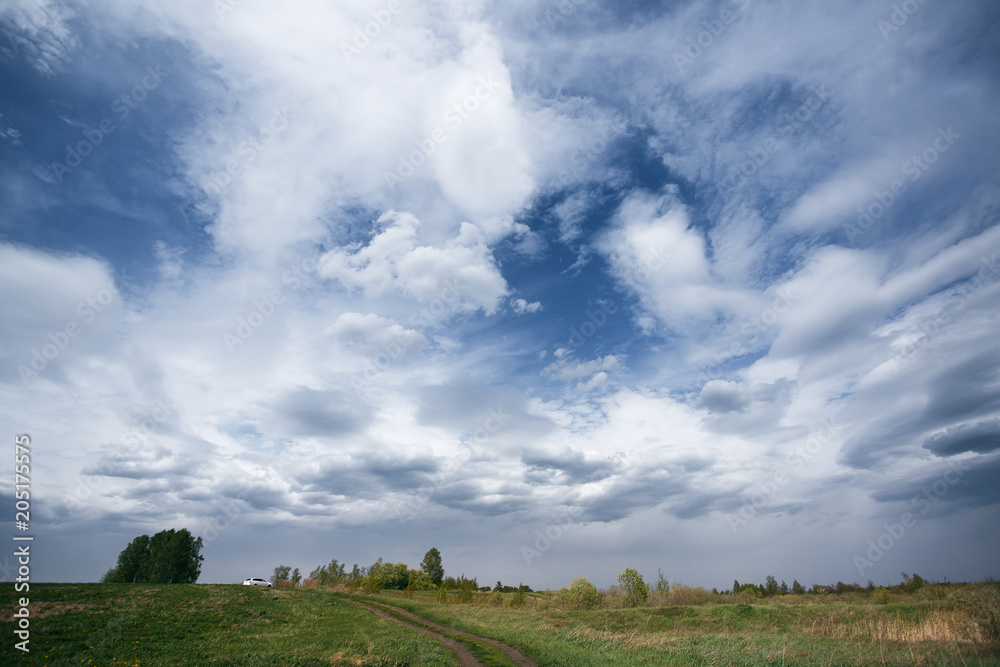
[464,655]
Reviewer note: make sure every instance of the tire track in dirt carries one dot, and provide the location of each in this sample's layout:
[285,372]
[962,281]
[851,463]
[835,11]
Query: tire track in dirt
[465,657]
[518,658]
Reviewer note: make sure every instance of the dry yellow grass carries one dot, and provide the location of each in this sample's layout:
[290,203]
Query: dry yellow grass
[939,626]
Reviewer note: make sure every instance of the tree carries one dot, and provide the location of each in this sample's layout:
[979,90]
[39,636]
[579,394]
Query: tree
[633,587]
[169,557]
[296,577]
[326,575]
[771,587]
[281,575]
[132,562]
[431,564]
[797,588]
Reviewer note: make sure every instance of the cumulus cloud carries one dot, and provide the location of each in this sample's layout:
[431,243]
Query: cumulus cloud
[461,273]
[522,307]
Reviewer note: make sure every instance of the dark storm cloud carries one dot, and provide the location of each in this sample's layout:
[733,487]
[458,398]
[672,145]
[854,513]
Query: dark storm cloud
[981,437]
[628,495]
[954,485]
[968,388]
[474,497]
[370,476]
[576,468]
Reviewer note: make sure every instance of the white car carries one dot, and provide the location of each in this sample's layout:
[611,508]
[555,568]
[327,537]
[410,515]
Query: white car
[256,581]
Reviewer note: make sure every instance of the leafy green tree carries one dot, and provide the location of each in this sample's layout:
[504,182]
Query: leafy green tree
[771,586]
[633,588]
[396,576]
[797,588]
[132,562]
[169,557]
[431,564]
[332,573]
[296,577]
[281,575]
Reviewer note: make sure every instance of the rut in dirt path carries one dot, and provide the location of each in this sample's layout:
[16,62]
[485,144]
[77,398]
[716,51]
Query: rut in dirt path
[518,658]
[465,657]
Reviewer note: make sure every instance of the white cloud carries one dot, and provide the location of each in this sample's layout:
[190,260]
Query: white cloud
[372,334]
[567,370]
[656,253]
[522,307]
[461,274]
[41,33]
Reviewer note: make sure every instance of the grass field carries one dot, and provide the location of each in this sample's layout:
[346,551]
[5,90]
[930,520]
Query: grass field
[122,624]
[137,624]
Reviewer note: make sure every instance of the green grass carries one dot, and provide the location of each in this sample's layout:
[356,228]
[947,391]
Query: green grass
[138,624]
[123,624]
[791,633]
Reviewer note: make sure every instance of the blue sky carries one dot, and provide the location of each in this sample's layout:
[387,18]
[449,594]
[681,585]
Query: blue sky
[557,288]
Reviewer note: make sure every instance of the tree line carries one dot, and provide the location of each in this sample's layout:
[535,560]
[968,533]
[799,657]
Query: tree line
[388,576]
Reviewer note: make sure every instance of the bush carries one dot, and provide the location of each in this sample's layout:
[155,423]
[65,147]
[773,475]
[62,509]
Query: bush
[982,602]
[580,595]
[880,596]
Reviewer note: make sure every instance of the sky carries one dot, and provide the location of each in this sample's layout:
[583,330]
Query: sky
[557,287]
